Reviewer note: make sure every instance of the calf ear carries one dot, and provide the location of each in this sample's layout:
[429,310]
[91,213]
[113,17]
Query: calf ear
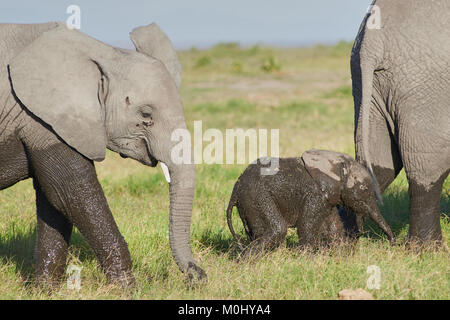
[152,41]
[325,168]
[57,81]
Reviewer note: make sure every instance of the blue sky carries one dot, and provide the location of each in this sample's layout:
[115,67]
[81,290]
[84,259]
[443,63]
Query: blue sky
[202,23]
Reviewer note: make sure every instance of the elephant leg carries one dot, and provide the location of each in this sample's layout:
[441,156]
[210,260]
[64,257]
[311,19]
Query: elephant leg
[425,153]
[351,225]
[332,229]
[267,227]
[69,182]
[425,211]
[315,212]
[53,235]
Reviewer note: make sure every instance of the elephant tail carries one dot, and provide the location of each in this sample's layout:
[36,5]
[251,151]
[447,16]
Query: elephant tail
[367,73]
[367,56]
[231,205]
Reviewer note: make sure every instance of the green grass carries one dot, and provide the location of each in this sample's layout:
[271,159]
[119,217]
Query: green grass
[309,99]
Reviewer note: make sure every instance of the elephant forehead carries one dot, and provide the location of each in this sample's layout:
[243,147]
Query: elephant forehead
[358,175]
[324,161]
[153,81]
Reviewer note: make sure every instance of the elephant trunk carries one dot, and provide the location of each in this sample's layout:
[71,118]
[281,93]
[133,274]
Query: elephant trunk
[377,217]
[363,206]
[182,184]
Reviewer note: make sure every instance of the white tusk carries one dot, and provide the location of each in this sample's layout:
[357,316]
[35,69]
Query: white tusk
[165,170]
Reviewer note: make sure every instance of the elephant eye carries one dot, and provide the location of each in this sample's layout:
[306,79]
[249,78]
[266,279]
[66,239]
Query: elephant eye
[146,112]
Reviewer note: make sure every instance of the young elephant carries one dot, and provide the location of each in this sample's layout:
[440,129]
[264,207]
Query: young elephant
[304,193]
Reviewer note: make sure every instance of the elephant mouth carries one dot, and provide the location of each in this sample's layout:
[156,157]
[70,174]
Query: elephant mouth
[153,161]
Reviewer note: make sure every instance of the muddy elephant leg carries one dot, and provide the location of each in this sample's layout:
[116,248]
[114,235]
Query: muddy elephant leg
[69,182]
[268,228]
[315,212]
[53,235]
[350,223]
[332,229]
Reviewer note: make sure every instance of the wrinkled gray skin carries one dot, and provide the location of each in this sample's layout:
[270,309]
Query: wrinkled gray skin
[401,89]
[304,193]
[64,99]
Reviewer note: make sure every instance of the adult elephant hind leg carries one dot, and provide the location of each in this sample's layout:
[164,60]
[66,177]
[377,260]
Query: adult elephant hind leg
[425,150]
[425,211]
[53,235]
[69,182]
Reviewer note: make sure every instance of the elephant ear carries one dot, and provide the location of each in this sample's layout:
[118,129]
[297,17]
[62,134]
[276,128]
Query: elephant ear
[152,41]
[56,81]
[325,167]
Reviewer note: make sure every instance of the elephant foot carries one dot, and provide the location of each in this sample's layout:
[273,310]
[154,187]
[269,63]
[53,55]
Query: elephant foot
[195,275]
[393,241]
[418,245]
[425,238]
[124,280]
[425,226]
[48,283]
[49,276]
[252,252]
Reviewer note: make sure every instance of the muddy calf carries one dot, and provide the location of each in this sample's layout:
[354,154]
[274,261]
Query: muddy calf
[304,193]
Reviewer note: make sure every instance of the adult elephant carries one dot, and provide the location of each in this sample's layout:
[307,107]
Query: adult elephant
[64,99]
[400,67]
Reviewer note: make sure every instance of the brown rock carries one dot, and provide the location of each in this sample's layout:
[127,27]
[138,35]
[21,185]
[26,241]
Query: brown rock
[358,294]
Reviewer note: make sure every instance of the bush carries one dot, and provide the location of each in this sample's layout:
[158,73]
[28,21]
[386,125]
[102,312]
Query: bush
[203,61]
[270,64]
[236,67]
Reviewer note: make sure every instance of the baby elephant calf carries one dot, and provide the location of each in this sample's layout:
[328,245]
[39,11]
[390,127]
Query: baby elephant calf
[304,193]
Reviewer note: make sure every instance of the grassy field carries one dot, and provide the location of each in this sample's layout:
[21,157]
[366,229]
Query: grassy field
[304,92]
